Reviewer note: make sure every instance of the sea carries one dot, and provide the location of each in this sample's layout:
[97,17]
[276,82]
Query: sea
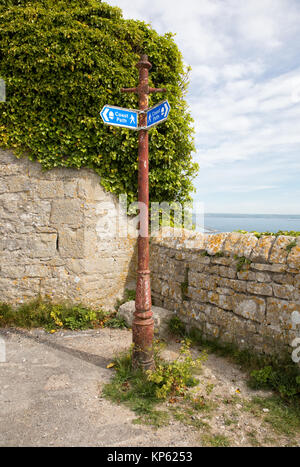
[216,223]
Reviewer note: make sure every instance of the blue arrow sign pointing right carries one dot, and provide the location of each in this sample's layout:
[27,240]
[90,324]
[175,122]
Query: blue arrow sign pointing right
[158,114]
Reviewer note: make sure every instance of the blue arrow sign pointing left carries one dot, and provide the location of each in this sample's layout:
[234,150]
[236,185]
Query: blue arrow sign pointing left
[116,116]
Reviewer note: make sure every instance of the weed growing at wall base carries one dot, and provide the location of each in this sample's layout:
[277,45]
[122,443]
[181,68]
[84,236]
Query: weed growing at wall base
[52,317]
[143,391]
[241,262]
[265,372]
[129,295]
[174,377]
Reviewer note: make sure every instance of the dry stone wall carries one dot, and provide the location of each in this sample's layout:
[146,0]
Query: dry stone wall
[233,287]
[59,236]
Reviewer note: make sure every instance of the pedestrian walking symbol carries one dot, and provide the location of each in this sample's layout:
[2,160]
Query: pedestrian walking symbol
[158,113]
[116,116]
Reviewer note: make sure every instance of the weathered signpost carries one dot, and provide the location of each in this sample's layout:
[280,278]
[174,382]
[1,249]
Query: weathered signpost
[143,324]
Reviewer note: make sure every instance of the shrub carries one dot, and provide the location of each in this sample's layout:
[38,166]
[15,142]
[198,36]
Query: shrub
[173,378]
[283,379]
[62,61]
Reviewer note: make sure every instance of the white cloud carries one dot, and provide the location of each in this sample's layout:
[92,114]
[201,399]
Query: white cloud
[244,92]
[266,22]
[261,119]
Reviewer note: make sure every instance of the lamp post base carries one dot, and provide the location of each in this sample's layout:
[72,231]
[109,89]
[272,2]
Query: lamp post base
[143,334]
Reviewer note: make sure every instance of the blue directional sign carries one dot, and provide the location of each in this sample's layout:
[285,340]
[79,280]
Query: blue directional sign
[158,114]
[116,116]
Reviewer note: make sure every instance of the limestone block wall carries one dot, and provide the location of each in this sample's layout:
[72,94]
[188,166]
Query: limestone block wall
[59,236]
[198,277]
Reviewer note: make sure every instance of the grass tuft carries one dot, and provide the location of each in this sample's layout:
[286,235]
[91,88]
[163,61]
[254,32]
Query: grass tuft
[52,317]
[218,441]
[143,391]
[283,416]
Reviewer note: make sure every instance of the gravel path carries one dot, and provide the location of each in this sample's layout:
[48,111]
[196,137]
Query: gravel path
[50,395]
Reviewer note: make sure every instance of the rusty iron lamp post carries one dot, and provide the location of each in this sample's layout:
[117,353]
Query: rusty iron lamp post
[143,323]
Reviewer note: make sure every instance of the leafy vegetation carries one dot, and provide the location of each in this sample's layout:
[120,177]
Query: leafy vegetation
[143,391]
[290,233]
[184,290]
[282,410]
[129,295]
[133,388]
[186,414]
[52,317]
[173,378]
[264,371]
[291,246]
[282,377]
[62,61]
[176,326]
[219,254]
[241,262]
[204,253]
[218,441]
[283,416]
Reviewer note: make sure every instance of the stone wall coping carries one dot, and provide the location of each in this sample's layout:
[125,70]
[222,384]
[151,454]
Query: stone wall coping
[266,249]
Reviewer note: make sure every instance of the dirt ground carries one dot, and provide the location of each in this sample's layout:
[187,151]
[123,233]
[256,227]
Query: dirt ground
[51,395]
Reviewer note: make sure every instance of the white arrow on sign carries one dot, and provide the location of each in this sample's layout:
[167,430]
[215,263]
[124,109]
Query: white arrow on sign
[158,114]
[105,114]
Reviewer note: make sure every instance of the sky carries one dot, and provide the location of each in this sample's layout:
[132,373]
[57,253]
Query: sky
[244,96]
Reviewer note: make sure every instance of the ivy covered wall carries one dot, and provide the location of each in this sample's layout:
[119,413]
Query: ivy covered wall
[62,61]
